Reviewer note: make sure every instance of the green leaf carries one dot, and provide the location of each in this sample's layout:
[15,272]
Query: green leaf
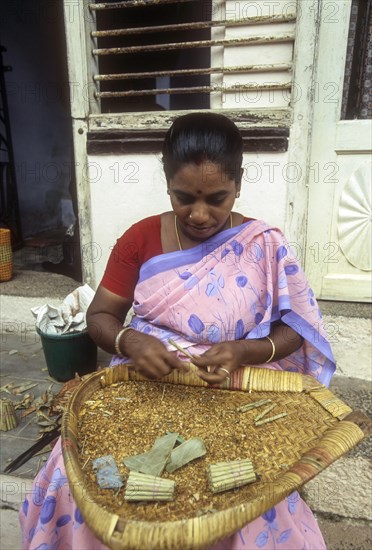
[185,453]
[153,462]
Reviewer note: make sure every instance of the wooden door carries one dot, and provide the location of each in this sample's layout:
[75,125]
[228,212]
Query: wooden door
[338,251]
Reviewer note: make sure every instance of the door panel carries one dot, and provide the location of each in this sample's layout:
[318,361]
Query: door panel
[338,260]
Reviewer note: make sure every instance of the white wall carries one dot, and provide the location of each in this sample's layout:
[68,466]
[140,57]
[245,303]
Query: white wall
[127,188]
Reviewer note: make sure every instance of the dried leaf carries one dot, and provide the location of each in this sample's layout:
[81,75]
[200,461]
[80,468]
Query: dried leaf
[43,423]
[135,462]
[185,453]
[153,462]
[108,475]
[21,388]
[6,388]
[26,402]
[28,411]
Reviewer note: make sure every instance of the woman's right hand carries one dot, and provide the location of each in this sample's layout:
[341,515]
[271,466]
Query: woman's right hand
[149,355]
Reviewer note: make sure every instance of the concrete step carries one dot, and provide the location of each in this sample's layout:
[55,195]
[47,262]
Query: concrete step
[29,289]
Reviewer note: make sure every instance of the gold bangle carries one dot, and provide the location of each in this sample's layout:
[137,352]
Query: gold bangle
[117,340]
[273,349]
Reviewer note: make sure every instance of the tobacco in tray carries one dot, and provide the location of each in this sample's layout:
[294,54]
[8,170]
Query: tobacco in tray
[126,418]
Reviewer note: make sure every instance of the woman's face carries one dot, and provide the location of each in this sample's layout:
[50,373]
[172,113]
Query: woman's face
[202,197]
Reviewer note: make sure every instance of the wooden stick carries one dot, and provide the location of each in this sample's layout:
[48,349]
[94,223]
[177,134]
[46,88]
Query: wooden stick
[184,351]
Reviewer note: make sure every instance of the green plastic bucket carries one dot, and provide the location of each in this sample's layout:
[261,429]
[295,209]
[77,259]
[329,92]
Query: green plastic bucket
[67,354]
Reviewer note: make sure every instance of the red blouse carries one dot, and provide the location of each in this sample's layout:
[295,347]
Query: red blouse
[138,244]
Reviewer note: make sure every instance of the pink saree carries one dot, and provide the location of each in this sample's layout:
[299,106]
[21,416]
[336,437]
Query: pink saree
[230,287]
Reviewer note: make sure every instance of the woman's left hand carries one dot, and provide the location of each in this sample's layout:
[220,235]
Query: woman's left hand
[217,363]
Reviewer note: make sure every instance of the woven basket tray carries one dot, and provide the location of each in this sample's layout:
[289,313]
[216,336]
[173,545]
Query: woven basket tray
[305,451]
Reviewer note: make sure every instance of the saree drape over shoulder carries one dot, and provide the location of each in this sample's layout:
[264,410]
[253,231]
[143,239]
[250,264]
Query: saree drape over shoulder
[233,286]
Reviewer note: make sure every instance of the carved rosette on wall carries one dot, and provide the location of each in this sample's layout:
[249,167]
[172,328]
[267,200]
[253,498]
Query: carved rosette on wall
[354,218]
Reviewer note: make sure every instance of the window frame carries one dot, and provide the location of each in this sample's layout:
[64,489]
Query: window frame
[263,129]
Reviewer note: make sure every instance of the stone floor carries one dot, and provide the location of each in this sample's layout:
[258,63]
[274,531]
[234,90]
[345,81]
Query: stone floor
[23,362]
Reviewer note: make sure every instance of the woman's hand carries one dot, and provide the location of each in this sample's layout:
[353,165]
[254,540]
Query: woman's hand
[222,359]
[149,356]
[217,364]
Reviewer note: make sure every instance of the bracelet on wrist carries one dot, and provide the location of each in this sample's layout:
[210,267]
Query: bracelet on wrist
[118,338]
[273,350]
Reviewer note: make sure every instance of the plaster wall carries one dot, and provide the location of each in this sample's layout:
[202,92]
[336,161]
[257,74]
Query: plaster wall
[127,188]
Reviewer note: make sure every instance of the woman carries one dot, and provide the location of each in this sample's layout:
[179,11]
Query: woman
[223,286]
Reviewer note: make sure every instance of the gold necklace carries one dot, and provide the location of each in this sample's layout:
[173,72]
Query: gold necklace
[176,230]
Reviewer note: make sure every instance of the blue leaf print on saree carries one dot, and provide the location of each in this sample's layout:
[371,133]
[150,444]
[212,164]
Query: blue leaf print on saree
[48,509]
[191,282]
[221,281]
[185,275]
[196,324]
[291,269]
[258,318]
[224,252]
[25,506]
[78,517]
[58,480]
[63,520]
[213,334]
[38,494]
[241,281]
[270,515]
[211,290]
[281,253]
[258,252]
[261,539]
[311,297]
[31,534]
[293,500]
[239,330]
[284,536]
[271,525]
[237,248]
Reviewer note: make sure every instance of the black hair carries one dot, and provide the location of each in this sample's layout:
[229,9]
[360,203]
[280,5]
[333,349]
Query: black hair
[198,137]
